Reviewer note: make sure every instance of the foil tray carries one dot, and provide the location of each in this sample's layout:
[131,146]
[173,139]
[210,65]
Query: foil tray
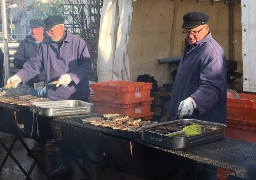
[61,108]
[155,134]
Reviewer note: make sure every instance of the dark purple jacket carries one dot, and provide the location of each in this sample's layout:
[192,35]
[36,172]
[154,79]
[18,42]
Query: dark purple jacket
[26,50]
[202,76]
[73,58]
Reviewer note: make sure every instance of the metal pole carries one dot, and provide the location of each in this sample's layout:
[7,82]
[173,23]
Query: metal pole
[5,42]
[11,23]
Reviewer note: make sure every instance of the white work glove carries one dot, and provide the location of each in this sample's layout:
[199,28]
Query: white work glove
[14,81]
[186,107]
[64,80]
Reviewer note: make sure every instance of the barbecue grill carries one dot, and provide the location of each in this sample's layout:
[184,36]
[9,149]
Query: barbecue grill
[149,160]
[78,122]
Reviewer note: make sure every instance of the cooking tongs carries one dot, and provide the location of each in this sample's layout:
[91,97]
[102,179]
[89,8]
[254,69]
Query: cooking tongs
[53,83]
[165,119]
[7,86]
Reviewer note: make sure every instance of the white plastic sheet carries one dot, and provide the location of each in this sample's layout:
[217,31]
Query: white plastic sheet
[113,61]
[248,45]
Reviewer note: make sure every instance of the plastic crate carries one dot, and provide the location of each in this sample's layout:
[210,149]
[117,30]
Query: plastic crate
[242,109]
[121,92]
[136,110]
[241,130]
[222,174]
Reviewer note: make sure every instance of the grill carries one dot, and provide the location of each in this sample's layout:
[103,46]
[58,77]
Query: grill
[19,103]
[78,122]
[14,107]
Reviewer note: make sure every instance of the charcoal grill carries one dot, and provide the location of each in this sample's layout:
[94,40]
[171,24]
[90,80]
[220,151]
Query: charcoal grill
[15,102]
[238,156]
[14,107]
[77,121]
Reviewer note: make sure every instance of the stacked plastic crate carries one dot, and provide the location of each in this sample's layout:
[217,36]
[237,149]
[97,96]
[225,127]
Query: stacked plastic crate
[123,97]
[241,117]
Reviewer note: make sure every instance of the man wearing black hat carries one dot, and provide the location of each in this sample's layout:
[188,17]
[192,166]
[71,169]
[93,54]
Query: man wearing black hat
[199,90]
[36,86]
[64,59]
[27,49]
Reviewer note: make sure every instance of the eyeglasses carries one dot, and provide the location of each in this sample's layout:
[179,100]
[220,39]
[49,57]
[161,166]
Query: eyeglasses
[52,30]
[190,32]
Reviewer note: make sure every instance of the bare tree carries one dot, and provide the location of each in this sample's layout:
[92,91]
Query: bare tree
[85,15]
[42,10]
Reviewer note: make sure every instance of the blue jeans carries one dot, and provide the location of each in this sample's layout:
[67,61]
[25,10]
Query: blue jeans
[37,92]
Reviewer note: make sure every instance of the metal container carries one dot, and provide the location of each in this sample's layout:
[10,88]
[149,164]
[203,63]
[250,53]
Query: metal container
[156,134]
[61,108]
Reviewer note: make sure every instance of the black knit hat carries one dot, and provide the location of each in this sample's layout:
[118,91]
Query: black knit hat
[52,21]
[194,19]
[35,23]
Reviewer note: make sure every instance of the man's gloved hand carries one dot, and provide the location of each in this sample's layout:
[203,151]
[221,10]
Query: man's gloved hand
[186,107]
[14,81]
[64,80]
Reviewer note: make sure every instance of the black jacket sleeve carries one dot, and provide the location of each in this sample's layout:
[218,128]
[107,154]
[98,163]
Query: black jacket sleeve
[19,57]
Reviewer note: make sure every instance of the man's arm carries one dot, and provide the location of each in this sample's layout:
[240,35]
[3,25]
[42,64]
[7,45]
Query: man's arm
[84,64]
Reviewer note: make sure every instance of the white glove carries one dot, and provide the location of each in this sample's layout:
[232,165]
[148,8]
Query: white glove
[14,81]
[186,107]
[64,80]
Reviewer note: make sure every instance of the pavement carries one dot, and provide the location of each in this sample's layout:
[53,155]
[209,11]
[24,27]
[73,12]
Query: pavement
[11,171]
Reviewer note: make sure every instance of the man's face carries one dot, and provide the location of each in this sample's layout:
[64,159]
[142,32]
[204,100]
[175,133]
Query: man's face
[196,34]
[56,32]
[37,33]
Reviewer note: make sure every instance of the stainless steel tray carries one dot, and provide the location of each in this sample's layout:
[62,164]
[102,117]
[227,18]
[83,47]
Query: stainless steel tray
[155,134]
[61,108]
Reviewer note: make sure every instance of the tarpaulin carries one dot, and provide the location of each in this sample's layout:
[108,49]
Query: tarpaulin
[113,61]
[248,45]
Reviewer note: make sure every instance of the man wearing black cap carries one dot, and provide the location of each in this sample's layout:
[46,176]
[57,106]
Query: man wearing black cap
[36,86]
[27,49]
[64,59]
[199,90]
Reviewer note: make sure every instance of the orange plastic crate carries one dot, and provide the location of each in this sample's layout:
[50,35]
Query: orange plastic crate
[241,130]
[136,110]
[121,92]
[243,109]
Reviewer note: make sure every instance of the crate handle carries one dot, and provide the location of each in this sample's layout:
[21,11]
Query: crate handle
[138,88]
[155,136]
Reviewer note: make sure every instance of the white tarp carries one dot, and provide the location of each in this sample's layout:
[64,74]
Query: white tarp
[248,45]
[113,61]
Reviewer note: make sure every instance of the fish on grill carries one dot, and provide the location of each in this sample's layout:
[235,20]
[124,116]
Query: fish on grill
[116,122]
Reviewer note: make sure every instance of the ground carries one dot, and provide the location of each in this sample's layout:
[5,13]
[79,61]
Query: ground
[11,171]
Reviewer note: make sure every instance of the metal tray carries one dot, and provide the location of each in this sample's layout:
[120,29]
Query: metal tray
[155,134]
[61,108]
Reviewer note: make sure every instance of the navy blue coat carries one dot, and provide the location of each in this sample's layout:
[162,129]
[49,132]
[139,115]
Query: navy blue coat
[26,50]
[202,76]
[72,58]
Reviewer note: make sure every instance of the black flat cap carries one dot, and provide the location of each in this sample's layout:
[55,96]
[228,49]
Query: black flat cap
[194,19]
[52,21]
[35,23]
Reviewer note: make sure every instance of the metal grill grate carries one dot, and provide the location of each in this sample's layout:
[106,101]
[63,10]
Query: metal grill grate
[77,121]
